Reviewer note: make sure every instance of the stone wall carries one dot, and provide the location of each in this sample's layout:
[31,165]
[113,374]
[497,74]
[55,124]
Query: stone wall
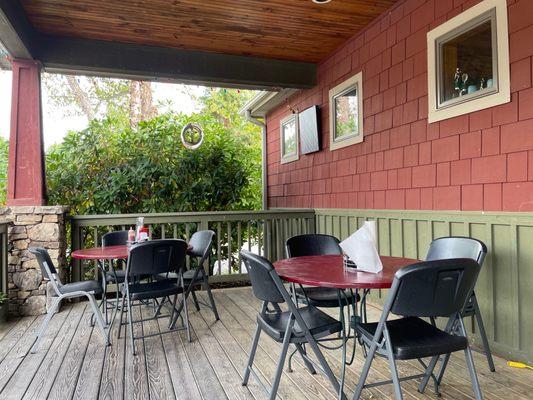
[39,226]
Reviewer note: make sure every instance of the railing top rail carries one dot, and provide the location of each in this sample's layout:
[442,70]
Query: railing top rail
[504,217]
[118,219]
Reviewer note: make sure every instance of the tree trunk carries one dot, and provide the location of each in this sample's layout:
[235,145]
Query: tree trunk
[80,97]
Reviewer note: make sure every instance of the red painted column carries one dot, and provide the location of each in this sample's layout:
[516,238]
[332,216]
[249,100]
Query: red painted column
[26,186]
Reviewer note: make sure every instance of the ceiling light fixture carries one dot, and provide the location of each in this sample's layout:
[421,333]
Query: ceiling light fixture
[321,1]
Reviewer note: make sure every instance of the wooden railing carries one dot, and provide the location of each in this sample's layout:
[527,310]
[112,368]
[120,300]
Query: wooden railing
[3,256]
[264,232]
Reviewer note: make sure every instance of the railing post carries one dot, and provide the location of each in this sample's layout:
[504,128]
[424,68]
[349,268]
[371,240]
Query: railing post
[312,224]
[3,261]
[75,245]
[204,226]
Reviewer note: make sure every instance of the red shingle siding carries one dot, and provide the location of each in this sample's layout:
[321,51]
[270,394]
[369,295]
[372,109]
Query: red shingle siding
[480,161]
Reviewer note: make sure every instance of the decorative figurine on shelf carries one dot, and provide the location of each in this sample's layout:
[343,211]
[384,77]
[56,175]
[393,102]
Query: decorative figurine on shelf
[458,81]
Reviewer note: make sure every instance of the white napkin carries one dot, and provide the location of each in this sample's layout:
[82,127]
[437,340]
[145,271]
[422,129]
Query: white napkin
[361,248]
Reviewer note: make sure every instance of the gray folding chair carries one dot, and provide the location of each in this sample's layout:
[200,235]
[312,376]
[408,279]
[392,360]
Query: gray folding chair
[113,275]
[66,291]
[295,326]
[463,247]
[200,243]
[428,289]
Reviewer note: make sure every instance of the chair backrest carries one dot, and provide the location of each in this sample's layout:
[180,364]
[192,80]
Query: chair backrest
[457,247]
[117,238]
[437,288]
[265,280]
[156,257]
[312,245]
[48,269]
[201,243]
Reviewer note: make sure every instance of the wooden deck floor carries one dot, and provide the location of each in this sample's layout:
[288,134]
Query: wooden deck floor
[72,362]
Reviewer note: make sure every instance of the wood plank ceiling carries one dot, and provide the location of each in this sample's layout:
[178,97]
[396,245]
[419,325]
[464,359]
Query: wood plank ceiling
[297,30]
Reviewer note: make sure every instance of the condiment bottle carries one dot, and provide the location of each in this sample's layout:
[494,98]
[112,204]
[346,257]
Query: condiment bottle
[131,235]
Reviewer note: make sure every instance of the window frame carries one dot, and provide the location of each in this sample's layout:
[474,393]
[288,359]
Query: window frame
[286,158]
[488,10]
[356,82]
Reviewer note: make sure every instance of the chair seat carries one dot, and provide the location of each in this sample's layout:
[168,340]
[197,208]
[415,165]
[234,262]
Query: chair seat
[83,286]
[121,276]
[189,275]
[319,323]
[415,338]
[325,297]
[150,290]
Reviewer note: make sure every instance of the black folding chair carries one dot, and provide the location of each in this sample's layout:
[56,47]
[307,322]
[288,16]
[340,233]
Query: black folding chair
[296,326]
[318,245]
[153,258]
[200,243]
[428,289]
[66,291]
[463,247]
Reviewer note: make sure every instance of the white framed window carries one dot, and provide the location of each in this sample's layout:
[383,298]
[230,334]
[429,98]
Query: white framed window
[288,132]
[468,62]
[346,113]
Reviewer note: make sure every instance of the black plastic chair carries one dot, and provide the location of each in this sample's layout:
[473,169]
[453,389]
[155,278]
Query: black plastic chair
[428,289]
[200,243]
[66,291]
[297,325]
[318,245]
[464,247]
[154,258]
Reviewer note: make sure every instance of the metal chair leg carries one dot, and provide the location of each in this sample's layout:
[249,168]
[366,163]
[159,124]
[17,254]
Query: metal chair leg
[211,298]
[366,369]
[429,371]
[470,364]
[195,300]
[121,315]
[99,318]
[45,323]
[255,342]
[303,353]
[186,317]
[483,334]
[281,362]
[392,365]
[130,324]
[323,363]
[173,305]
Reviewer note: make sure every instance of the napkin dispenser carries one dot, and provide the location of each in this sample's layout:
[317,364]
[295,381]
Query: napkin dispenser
[361,249]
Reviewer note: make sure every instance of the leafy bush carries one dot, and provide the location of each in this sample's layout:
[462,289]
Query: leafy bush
[111,167]
[3,298]
[4,155]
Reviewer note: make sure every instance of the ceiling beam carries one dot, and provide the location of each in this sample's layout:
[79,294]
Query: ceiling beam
[16,32]
[97,57]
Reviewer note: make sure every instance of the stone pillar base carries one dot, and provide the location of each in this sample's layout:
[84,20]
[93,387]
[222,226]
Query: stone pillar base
[39,226]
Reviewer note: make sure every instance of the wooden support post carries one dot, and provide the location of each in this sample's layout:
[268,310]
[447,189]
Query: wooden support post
[26,185]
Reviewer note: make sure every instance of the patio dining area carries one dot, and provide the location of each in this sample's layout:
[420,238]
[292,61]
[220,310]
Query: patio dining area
[73,363]
[386,127]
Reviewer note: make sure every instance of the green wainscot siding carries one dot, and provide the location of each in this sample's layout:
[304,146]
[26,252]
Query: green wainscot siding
[505,286]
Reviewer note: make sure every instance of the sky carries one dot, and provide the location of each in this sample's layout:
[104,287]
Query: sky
[56,124]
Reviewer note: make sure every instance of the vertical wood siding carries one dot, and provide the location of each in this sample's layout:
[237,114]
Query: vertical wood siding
[505,285]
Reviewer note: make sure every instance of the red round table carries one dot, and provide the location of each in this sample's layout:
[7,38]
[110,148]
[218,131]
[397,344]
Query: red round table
[105,253]
[329,271]
[102,253]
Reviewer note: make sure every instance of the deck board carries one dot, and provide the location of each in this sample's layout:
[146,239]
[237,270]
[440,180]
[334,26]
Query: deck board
[73,363]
